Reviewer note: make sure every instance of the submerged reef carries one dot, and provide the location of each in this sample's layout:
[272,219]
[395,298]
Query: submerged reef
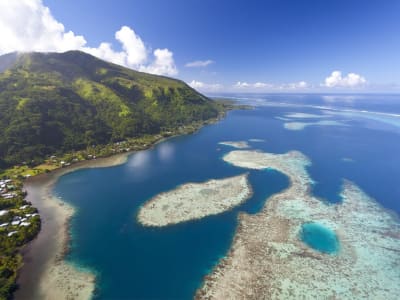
[195,200]
[238,145]
[302,125]
[268,260]
[300,115]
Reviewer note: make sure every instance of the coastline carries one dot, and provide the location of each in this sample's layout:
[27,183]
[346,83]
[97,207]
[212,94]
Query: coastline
[44,255]
[53,277]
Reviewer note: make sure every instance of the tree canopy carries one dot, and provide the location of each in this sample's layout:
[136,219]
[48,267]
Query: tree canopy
[58,102]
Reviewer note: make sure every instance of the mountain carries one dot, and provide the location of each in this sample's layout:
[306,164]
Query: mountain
[53,102]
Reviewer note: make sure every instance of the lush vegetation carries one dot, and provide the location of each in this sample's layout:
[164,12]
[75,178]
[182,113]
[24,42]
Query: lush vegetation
[19,223]
[60,109]
[55,103]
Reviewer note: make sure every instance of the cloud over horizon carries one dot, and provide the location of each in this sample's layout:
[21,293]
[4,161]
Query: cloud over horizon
[264,86]
[28,25]
[206,87]
[351,80]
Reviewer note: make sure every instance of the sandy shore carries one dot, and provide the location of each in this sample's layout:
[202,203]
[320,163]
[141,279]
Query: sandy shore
[193,201]
[45,274]
[269,261]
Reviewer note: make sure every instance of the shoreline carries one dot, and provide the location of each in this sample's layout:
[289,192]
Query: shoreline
[44,256]
[54,278]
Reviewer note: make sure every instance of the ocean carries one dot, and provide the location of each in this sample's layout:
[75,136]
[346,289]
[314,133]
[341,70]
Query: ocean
[353,137]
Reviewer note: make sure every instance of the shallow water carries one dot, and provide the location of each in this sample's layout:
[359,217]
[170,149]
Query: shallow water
[132,261]
[319,237]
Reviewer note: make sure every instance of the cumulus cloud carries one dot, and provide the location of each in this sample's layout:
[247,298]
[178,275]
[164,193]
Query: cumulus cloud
[105,51]
[28,25]
[207,87]
[136,53]
[163,63]
[199,63]
[351,80]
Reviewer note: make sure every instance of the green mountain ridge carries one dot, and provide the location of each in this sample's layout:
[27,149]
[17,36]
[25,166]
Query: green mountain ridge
[53,102]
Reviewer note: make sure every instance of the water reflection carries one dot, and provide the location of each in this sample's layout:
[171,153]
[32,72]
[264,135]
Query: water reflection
[138,165]
[166,151]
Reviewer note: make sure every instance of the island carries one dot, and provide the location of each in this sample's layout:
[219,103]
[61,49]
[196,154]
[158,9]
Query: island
[195,200]
[274,256]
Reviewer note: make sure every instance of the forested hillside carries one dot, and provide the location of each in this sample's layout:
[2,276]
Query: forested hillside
[58,102]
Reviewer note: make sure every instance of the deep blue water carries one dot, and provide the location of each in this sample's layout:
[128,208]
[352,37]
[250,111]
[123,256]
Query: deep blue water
[320,237]
[134,262]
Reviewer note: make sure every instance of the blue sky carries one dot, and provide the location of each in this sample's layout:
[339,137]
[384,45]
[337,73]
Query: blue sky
[282,45]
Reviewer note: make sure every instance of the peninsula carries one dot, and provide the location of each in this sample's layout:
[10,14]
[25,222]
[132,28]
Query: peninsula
[195,200]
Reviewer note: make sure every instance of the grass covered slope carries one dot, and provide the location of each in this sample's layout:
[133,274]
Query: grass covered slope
[58,102]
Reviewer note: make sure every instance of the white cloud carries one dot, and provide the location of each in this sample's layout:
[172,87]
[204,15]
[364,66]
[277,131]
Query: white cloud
[196,84]
[207,87]
[295,85]
[163,63]
[105,51]
[241,85]
[136,53]
[199,63]
[256,85]
[260,85]
[28,25]
[263,86]
[300,85]
[350,80]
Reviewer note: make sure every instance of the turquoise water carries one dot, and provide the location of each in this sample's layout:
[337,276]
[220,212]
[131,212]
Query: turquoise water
[135,262]
[319,237]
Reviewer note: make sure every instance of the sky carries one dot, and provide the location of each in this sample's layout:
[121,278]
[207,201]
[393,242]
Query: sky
[223,45]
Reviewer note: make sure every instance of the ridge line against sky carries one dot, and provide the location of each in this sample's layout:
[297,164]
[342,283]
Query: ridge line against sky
[260,46]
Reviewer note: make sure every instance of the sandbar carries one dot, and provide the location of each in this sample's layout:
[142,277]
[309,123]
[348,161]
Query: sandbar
[45,274]
[268,260]
[194,201]
[238,144]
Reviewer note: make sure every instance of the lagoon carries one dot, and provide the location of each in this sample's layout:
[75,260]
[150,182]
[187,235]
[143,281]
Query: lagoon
[133,261]
[319,237]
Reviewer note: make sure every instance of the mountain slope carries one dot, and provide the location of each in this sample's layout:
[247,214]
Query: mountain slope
[60,102]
